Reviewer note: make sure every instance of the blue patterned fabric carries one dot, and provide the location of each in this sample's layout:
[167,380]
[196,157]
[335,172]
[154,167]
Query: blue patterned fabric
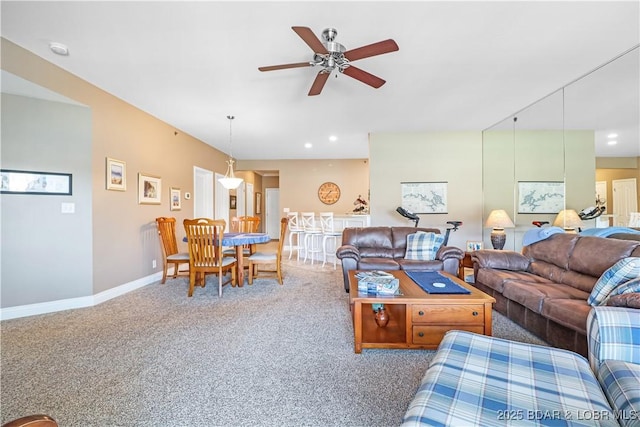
[622,271]
[475,380]
[423,246]
[625,288]
[613,333]
[426,279]
[621,384]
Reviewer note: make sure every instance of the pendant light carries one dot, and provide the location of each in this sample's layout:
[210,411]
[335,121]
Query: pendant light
[230,181]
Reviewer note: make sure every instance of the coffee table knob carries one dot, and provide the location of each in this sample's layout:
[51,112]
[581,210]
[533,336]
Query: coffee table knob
[475,313]
[420,334]
[421,313]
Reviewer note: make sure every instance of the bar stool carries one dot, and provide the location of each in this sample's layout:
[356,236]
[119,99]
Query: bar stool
[295,229]
[329,234]
[312,235]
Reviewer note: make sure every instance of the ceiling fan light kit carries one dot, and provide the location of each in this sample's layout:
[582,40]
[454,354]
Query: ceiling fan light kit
[331,55]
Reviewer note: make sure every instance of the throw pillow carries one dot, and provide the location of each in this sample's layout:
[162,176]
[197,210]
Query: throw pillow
[621,272]
[423,246]
[625,288]
[631,299]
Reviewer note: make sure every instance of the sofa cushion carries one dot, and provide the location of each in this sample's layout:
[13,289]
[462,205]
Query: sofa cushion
[532,295]
[621,384]
[423,246]
[631,299]
[594,255]
[378,263]
[414,265]
[495,279]
[571,313]
[553,250]
[622,271]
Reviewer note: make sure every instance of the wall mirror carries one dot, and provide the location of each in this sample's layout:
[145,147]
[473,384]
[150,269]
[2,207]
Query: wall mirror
[550,147]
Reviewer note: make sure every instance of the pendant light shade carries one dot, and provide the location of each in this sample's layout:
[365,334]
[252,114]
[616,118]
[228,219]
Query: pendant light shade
[230,181]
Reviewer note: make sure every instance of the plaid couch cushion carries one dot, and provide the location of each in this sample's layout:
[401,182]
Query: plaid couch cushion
[475,380]
[423,246]
[613,333]
[622,271]
[621,384]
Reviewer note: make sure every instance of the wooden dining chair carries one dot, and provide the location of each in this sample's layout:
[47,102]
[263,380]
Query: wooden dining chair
[204,239]
[169,243]
[244,224]
[269,258]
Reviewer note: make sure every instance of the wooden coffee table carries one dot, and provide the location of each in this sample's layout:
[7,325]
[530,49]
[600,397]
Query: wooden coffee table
[417,319]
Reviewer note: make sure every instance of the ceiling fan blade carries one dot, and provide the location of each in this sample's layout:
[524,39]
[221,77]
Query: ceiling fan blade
[285,66]
[363,76]
[310,39]
[374,49]
[318,83]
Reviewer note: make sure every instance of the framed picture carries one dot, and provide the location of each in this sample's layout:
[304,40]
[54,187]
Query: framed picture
[258,203]
[116,175]
[232,202]
[540,197]
[149,189]
[31,182]
[424,197]
[175,199]
[473,246]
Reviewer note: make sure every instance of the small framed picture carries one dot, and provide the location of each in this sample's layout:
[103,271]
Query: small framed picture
[116,175]
[149,189]
[174,197]
[473,246]
[232,202]
[32,182]
[258,203]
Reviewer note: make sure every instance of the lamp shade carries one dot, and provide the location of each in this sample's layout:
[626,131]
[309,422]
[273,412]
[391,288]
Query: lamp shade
[499,219]
[568,219]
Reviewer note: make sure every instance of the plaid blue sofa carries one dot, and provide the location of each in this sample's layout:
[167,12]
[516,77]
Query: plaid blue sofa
[475,380]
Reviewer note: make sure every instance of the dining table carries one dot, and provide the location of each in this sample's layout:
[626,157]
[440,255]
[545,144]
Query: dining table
[238,240]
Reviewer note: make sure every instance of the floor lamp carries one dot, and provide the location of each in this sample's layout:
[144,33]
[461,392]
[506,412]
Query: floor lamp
[498,220]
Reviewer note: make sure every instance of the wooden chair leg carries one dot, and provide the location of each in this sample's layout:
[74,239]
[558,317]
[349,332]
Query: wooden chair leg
[220,284]
[164,273]
[250,278]
[192,282]
[279,271]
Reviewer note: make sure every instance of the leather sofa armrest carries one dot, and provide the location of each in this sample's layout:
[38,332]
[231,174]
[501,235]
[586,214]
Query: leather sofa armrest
[348,251]
[502,260]
[448,252]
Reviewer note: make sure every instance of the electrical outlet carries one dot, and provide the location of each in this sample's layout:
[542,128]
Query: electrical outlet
[153,263]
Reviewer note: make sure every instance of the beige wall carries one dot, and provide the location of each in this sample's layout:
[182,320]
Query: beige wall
[454,157]
[611,168]
[299,181]
[124,235]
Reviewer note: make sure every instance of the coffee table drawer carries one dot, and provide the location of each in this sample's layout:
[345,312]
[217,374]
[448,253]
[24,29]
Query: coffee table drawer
[432,335]
[449,314]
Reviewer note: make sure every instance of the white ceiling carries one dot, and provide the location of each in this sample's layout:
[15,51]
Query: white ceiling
[461,65]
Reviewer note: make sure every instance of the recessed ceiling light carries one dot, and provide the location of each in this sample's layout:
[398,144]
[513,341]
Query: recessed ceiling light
[612,135]
[59,49]
[333,138]
[308,145]
[612,142]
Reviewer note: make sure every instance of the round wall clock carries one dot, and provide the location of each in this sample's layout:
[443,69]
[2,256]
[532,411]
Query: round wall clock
[329,193]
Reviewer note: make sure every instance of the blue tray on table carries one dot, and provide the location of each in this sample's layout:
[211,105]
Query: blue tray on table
[426,279]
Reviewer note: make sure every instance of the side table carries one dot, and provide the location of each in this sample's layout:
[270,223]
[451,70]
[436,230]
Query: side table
[464,262]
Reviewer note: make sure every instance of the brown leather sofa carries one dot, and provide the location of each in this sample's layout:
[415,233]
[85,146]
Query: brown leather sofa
[545,288]
[383,248]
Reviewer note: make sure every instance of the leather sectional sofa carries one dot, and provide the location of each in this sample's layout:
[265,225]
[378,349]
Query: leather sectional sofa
[383,248]
[545,288]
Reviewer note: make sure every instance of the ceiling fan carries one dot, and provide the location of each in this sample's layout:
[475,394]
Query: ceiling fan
[331,55]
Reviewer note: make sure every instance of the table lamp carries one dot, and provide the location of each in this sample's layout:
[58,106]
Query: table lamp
[569,220]
[498,220]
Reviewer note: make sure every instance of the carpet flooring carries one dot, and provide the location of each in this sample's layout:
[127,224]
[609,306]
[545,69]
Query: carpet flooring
[262,355]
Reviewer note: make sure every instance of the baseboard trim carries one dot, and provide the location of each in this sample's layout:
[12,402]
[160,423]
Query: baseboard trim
[80,302]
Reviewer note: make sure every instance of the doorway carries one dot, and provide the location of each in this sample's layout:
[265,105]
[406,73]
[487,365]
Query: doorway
[272,212]
[625,200]
[202,193]
[222,201]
